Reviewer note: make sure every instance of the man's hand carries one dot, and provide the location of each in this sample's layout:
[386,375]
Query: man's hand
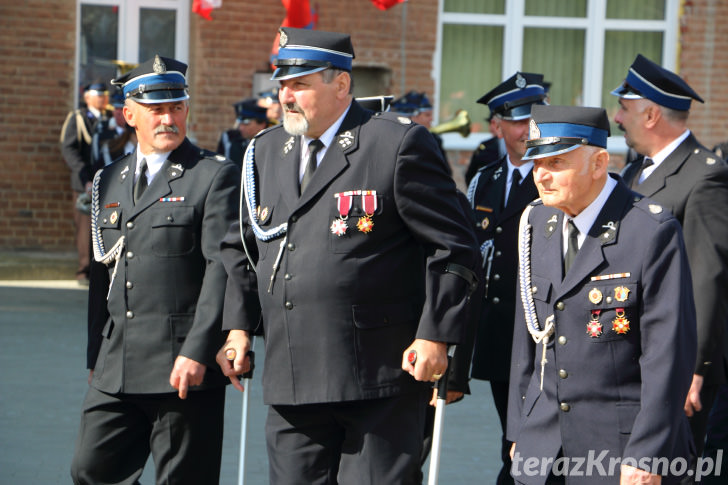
[186,373]
[236,346]
[512,453]
[431,360]
[636,476]
[692,402]
[451,396]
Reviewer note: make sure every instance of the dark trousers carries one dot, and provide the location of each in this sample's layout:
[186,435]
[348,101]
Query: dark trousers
[358,442]
[500,398]
[82,226]
[698,426]
[716,441]
[118,432]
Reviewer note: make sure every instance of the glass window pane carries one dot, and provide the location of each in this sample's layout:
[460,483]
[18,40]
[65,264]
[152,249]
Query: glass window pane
[563,68]
[99,33]
[156,33]
[641,10]
[556,8]
[476,6]
[620,49]
[471,66]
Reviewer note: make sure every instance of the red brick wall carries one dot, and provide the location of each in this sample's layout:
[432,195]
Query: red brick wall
[704,65]
[36,91]
[37,77]
[227,51]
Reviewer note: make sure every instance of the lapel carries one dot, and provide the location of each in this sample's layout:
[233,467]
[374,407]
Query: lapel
[287,169]
[550,256]
[491,189]
[630,170]
[603,233]
[335,160]
[527,192]
[670,166]
[172,169]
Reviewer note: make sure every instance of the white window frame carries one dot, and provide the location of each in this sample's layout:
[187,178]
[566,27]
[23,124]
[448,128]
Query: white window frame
[128,33]
[595,24]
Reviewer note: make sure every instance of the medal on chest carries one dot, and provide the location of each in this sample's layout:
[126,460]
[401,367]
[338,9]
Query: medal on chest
[344,201]
[369,205]
[594,327]
[620,324]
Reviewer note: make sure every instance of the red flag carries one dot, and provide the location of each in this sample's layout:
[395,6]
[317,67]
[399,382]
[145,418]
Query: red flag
[299,14]
[204,7]
[386,4]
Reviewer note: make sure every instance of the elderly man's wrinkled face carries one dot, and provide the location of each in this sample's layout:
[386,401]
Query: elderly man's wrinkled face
[160,127]
[572,180]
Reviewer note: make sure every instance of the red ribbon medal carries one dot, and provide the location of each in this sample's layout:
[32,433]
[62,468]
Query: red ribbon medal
[594,327]
[344,201]
[369,204]
[620,324]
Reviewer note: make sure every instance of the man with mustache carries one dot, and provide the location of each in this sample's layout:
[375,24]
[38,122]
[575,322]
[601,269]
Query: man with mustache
[691,182]
[156,295]
[363,254]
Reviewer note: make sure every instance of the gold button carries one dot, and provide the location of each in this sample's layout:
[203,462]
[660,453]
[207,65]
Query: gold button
[563,340]
[560,306]
[130,314]
[565,407]
[563,374]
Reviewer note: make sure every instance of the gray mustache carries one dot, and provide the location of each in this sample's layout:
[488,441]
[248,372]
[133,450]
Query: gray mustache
[166,129]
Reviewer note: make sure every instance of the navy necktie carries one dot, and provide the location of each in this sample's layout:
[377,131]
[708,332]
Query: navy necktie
[313,148]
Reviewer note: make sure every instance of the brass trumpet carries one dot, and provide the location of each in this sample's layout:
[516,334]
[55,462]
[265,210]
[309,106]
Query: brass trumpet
[460,123]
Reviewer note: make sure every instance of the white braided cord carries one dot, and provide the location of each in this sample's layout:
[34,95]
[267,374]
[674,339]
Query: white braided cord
[251,198]
[524,274]
[97,241]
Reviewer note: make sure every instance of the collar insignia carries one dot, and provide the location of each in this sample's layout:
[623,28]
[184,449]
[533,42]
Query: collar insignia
[498,173]
[346,139]
[288,145]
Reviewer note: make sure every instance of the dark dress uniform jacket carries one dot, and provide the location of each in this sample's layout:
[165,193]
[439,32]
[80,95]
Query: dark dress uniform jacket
[492,356]
[623,393]
[167,297]
[76,144]
[342,309]
[692,183]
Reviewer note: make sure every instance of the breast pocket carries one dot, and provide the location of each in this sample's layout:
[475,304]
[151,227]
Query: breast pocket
[541,292]
[613,311]
[173,231]
[350,234]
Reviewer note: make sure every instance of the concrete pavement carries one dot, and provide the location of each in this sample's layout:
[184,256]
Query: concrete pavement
[43,382]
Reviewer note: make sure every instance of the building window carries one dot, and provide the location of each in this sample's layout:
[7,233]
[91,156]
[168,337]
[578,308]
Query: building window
[130,31]
[583,48]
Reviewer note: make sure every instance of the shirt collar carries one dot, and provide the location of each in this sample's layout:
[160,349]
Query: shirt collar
[154,162]
[665,152]
[524,169]
[585,219]
[327,138]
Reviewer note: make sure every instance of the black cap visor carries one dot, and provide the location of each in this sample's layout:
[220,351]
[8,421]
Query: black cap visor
[551,146]
[159,95]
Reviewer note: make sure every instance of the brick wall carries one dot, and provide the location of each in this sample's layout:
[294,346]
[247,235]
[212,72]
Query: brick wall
[36,91]
[37,80]
[704,65]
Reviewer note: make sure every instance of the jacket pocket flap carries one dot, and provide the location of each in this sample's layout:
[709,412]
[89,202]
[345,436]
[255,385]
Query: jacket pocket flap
[173,216]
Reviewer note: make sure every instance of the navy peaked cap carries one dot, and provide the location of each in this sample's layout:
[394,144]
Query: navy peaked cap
[512,99]
[248,109]
[305,51]
[560,129]
[158,80]
[645,79]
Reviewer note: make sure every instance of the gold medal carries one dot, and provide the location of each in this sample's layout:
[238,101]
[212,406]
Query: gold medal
[621,293]
[595,296]
[620,324]
[365,224]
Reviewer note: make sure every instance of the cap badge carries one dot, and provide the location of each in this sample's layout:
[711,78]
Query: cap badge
[520,81]
[533,131]
[283,40]
[159,67]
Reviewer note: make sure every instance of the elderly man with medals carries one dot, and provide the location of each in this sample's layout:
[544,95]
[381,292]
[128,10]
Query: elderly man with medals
[605,337]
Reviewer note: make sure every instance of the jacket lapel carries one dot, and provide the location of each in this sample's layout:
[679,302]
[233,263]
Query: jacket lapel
[172,169]
[603,232]
[657,179]
[287,169]
[335,160]
[527,192]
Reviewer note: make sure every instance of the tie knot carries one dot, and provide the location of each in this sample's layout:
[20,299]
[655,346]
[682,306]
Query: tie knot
[516,177]
[647,162]
[143,166]
[314,146]
[573,230]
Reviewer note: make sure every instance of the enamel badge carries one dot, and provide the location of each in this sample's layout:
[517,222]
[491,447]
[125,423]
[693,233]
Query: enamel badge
[344,201]
[621,293]
[369,205]
[620,324]
[114,217]
[595,296]
[594,327]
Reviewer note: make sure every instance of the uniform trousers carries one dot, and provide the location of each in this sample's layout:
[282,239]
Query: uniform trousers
[118,431]
[356,442]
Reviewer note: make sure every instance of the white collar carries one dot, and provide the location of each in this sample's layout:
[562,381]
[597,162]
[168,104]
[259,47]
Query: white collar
[585,219]
[154,162]
[665,152]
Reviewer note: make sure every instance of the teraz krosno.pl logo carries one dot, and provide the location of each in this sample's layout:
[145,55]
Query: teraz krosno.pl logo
[597,464]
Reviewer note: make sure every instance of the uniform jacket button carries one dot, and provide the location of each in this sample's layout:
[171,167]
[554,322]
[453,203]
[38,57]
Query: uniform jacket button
[289,305]
[130,225]
[565,407]
[496,300]
[294,218]
[129,314]
[291,247]
[560,306]
[496,277]
[498,230]
[129,285]
[563,374]
[287,276]
[498,254]
[129,255]
[170,218]
[562,340]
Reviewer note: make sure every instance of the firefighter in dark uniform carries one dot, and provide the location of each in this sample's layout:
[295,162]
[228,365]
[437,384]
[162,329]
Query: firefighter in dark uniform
[417,107]
[488,151]
[156,296]
[250,118]
[691,182]
[498,194]
[363,253]
[81,128]
[605,340]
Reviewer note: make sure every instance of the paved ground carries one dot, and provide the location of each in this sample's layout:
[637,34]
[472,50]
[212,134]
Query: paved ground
[43,382]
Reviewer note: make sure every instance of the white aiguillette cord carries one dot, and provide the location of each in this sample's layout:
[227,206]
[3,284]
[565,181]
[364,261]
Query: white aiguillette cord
[524,275]
[100,255]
